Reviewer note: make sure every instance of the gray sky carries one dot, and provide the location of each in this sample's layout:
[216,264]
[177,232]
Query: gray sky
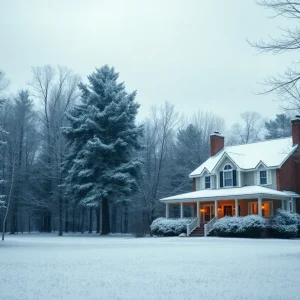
[192,53]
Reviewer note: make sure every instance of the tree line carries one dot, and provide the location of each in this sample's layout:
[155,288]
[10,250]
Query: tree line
[73,158]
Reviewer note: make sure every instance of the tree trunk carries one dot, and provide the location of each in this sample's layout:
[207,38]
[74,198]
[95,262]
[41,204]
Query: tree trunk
[60,217]
[13,224]
[46,222]
[73,220]
[121,220]
[126,218]
[114,219]
[105,217]
[91,220]
[29,225]
[82,221]
[98,219]
[9,198]
[67,217]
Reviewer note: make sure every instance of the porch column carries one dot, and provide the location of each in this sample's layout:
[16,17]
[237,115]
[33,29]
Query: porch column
[294,205]
[167,210]
[282,204]
[181,210]
[259,206]
[216,209]
[236,207]
[198,213]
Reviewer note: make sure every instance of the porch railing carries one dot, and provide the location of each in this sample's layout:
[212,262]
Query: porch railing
[190,227]
[209,226]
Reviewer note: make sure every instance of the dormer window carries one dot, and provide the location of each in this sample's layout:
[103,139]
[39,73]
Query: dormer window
[228,176]
[263,179]
[207,182]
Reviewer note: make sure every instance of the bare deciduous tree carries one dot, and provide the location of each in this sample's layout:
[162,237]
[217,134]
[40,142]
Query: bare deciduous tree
[159,132]
[251,130]
[285,85]
[56,90]
[4,82]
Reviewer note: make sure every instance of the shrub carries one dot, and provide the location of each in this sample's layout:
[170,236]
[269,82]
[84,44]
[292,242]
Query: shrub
[169,227]
[250,226]
[298,223]
[284,224]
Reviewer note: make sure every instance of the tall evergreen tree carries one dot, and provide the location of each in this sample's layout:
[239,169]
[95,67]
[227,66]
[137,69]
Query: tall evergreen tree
[190,152]
[278,128]
[103,137]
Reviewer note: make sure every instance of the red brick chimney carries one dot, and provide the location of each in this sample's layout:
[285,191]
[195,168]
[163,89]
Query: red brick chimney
[296,130]
[217,142]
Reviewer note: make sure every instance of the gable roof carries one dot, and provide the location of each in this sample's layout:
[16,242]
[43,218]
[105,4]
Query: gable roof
[271,153]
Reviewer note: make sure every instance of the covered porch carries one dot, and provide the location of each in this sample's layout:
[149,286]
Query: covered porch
[207,206]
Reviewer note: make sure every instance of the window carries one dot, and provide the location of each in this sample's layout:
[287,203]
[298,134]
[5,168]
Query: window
[253,208]
[228,178]
[291,206]
[263,177]
[266,209]
[207,182]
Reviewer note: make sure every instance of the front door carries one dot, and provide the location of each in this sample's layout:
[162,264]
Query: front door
[227,210]
[208,212]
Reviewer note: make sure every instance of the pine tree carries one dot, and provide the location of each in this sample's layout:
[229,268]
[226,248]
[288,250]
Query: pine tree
[103,137]
[278,128]
[189,154]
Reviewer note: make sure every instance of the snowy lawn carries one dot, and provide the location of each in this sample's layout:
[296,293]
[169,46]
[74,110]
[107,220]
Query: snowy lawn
[91,267]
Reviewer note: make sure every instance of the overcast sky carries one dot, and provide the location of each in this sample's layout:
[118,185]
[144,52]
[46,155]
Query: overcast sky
[192,53]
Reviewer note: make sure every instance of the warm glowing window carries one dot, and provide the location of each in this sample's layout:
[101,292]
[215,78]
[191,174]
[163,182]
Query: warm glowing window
[253,208]
[266,209]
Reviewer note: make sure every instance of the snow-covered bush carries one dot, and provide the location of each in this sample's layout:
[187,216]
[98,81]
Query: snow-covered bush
[169,227]
[298,223]
[250,226]
[284,224]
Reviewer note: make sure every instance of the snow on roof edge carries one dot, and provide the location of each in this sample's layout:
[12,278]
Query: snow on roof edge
[230,192]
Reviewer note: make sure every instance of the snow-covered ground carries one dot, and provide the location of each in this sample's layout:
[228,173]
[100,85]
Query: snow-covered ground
[91,267]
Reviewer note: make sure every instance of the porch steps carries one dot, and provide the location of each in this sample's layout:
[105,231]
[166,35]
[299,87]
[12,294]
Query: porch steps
[198,232]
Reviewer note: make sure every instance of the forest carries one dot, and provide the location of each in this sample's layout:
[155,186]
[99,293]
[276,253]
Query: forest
[74,157]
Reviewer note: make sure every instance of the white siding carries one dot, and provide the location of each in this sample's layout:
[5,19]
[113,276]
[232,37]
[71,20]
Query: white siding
[198,183]
[271,178]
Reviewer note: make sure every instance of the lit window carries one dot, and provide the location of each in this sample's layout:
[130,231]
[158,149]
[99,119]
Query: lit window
[253,208]
[207,182]
[263,177]
[228,178]
[266,209]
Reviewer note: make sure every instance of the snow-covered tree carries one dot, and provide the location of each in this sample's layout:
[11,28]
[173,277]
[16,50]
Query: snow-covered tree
[249,131]
[103,138]
[2,143]
[3,85]
[278,128]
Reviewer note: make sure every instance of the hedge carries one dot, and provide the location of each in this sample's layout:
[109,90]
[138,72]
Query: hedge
[249,226]
[284,224]
[169,227]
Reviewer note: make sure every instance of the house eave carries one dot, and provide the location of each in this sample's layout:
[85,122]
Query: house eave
[219,198]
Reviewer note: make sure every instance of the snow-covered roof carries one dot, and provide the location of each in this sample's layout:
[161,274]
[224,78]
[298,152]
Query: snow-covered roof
[246,192]
[272,153]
